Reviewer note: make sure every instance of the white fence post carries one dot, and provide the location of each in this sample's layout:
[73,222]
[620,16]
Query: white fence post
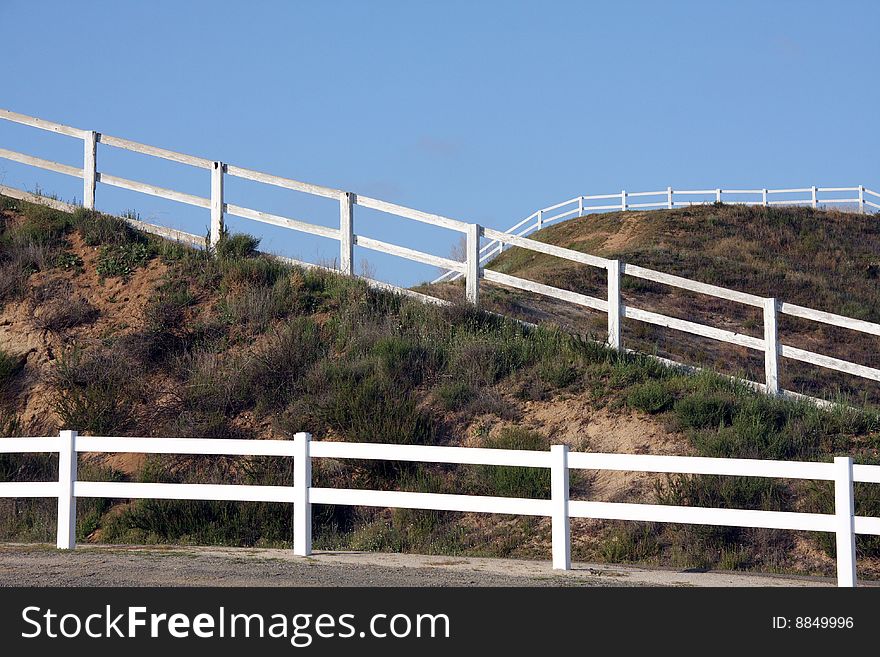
[580,206]
[862,199]
[559,492]
[346,233]
[669,203]
[216,202]
[472,278]
[623,200]
[66,537]
[90,169]
[540,219]
[302,507]
[614,339]
[771,347]
[764,197]
[844,510]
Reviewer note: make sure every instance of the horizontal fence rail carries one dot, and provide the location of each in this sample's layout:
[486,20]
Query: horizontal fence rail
[559,507]
[483,243]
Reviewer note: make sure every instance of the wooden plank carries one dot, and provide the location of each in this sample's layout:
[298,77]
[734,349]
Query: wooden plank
[866,473]
[694,286]
[30,445]
[284,222]
[559,205]
[693,328]
[546,290]
[215,446]
[830,363]
[29,489]
[431,454]
[42,124]
[872,193]
[436,501]
[556,217]
[226,492]
[864,525]
[702,516]
[155,151]
[153,190]
[549,249]
[830,318]
[21,195]
[41,163]
[287,183]
[702,465]
[409,254]
[409,213]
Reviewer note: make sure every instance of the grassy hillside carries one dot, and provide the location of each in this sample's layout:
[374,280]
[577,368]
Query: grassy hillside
[823,259]
[112,332]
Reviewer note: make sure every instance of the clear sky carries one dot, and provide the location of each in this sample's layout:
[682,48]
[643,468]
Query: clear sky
[482,111]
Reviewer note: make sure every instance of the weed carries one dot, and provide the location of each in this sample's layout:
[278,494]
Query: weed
[121,260]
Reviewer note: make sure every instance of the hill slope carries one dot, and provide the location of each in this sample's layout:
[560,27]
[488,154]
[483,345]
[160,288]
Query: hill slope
[113,332]
[822,259]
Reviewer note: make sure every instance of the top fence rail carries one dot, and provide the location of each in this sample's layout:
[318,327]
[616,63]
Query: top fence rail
[484,243]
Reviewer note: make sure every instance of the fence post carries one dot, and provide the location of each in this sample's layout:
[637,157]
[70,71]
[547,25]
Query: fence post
[540,219]
[844,510]
[623,200]
[669,203]
[580,206]
[764,197]
[474,231]
[216,202]
[814,196]
[559,492]
[718,196]
[302,507]
[771,347]
[346,233]
[90,169]
[614,339]
[862,199]
[66,537]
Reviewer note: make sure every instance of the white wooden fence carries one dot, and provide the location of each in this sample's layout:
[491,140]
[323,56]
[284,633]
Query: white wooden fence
[472,267]
[560,508]
[666,199]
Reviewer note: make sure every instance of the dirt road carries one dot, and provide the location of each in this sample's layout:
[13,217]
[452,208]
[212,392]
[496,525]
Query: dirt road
[42,565]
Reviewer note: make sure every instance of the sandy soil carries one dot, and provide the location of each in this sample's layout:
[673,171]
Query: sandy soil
[42,565]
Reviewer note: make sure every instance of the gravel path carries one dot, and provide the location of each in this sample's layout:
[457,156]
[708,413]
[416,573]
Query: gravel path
[41,565]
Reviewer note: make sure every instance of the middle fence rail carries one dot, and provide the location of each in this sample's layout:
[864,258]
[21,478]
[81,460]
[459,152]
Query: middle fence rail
[478,253]
[844,523]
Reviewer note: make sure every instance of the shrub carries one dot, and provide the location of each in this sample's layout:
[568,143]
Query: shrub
[57,307]
[258,306]
[510,481]
[237,247]
[279,366]
[454,395]
[98,229]
[95,393]
[362,406]
[705,410]
[651,397]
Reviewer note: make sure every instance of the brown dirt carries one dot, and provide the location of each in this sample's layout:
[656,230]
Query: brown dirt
[120,304]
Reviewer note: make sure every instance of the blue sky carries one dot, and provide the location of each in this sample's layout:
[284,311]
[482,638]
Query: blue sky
[482,111]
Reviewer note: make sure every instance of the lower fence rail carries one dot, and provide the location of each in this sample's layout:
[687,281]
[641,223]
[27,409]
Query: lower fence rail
[559,507]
